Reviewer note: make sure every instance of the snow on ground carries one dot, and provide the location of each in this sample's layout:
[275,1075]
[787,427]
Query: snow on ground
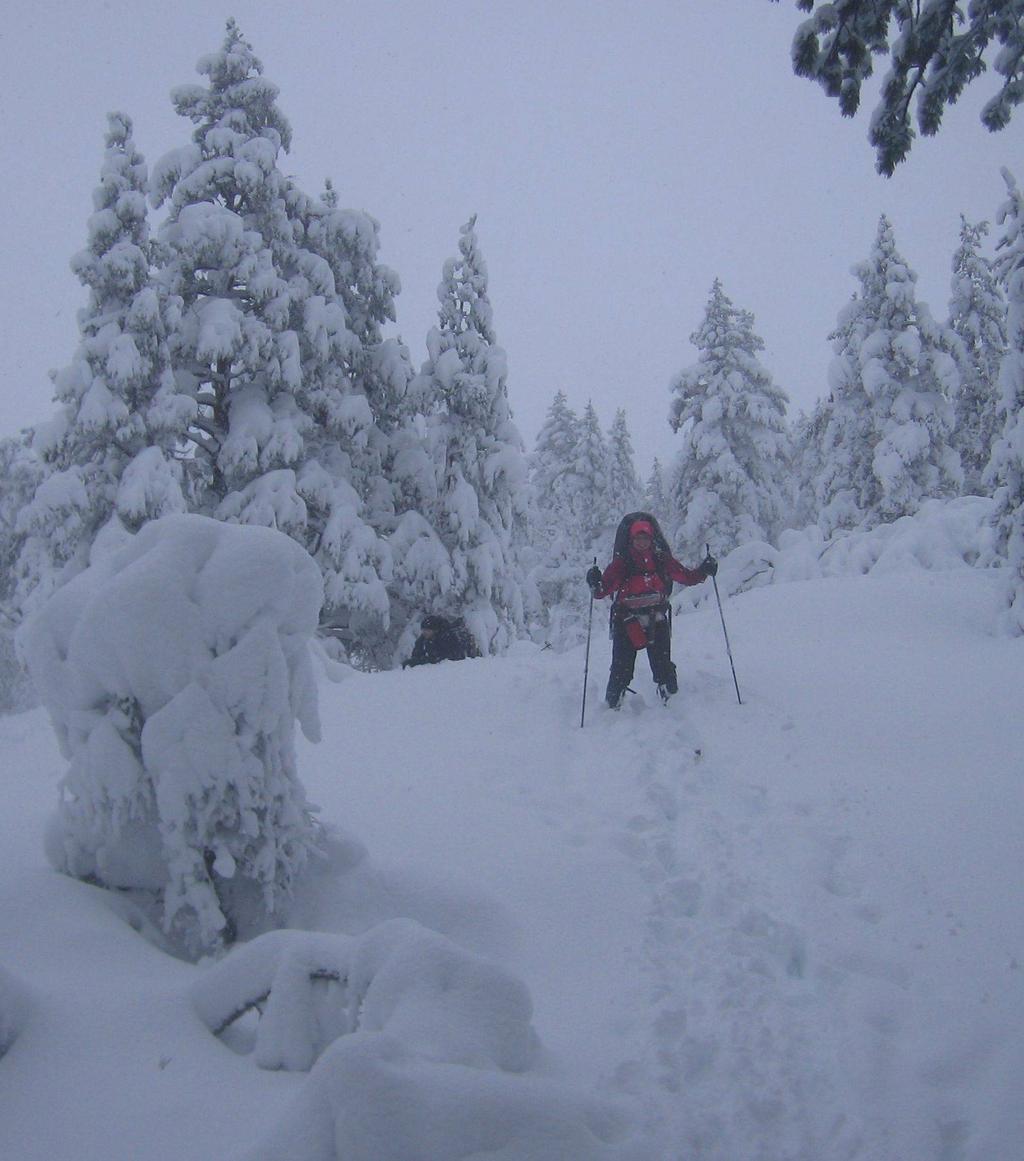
[784,929]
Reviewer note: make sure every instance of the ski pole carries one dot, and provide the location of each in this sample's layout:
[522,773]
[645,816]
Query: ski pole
[586,660]
[725,632]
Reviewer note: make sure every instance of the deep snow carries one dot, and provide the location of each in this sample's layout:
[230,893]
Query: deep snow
[788,928]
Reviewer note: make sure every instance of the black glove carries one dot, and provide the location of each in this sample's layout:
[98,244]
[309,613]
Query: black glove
[594,578]
[709,566]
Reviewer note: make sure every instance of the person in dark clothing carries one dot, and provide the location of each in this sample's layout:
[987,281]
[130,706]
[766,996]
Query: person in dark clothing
[640,580]
[439,640]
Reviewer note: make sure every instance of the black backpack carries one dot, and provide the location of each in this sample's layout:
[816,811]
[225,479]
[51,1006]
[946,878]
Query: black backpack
[661,548]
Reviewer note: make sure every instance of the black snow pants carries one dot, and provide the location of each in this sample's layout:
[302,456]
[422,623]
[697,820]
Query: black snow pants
[659,654]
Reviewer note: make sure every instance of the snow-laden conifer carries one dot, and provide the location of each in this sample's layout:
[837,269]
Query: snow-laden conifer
[977,316]
[479,456]
[1006,470]
[377,438]
[656,491]
[592,499]
[111,450]
[806,462]
[625,492]
[555,532]
[569,469]
[20,471]
[557,536]
[269,345]
[727,483]
[887,446]
[386,449]
[551,459]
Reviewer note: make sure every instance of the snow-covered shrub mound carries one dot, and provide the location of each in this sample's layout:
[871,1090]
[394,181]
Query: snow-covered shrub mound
[14,1009]
[424,1052]
[372,1098]
[173,669]
[400,978]
[942,535]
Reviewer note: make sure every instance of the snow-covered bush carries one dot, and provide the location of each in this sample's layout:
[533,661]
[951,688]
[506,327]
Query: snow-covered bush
[399,978]
[173,669]
[425,1052]
[372,1098]
[942,535]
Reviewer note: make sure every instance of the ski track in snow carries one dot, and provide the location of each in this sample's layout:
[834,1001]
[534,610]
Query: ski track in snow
[727,1054]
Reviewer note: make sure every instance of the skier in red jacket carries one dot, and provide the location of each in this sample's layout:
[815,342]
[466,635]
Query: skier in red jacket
[640,580]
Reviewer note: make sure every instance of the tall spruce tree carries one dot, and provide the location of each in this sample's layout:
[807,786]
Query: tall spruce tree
[592,499]
[21,472]
[552,454]
[557,534]
[727,485]
[888,446]
[111,453]
[807,450]
[480,460]
[977,316]
[1006,469]
[625,491]
[551,474]
[656,491]
[277,356]
[376,440]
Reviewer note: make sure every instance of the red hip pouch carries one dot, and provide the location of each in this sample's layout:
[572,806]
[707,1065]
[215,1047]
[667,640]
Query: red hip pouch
[636,633]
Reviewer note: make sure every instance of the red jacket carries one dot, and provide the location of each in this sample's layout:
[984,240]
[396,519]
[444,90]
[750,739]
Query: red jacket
[643,578]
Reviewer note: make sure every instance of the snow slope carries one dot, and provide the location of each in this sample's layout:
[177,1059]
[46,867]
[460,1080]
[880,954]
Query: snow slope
[784,929]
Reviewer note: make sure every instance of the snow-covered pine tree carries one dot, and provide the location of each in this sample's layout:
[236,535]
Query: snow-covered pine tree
[625,492]
[21,472]
[591,496]
[377,369]
[563,533]
[807,444]
[479,456]
[267,345]
[379,431]
[977,316]
[727,485]
[552,479]
[557,536]
[1006,470]
[388,449]
[656,491]
[887,446]
[551,459]
[111,450]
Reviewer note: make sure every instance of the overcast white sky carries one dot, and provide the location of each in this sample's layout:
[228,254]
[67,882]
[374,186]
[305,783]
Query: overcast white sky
[620,156]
